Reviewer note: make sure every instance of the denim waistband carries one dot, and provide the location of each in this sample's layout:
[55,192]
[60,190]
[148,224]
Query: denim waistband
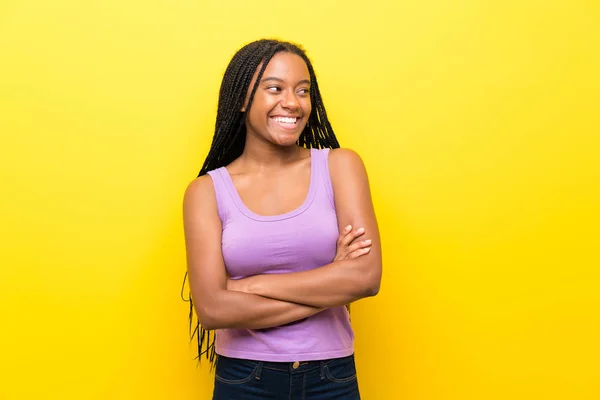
[293,366]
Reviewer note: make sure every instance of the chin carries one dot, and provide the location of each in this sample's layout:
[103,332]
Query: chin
[285,139]
[287,142]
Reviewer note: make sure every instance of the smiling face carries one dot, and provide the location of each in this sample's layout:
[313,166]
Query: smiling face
[281,104]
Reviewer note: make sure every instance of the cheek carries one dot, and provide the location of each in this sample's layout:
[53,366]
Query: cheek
[307,108]
[262,104]
[258,109]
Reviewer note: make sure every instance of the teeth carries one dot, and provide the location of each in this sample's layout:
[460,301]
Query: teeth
[286,120]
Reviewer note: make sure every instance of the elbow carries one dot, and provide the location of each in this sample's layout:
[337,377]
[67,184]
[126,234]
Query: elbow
[366,277]
[372,281]
[207,324]
[372,290]
[207,318]
[212,311]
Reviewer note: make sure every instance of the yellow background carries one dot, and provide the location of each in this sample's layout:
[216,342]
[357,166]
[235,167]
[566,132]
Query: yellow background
[478,122]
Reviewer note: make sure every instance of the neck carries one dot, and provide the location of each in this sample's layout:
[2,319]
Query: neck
[261,156]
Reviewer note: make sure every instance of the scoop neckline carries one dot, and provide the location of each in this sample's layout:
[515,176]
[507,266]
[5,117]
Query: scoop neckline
[277,217]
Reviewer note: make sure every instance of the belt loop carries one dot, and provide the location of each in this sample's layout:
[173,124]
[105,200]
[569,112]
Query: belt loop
[323,365]
[258,370]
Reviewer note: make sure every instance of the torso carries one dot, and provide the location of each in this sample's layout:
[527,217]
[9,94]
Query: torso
[282,221]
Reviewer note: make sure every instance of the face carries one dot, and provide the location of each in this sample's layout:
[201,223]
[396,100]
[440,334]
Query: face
[281,104]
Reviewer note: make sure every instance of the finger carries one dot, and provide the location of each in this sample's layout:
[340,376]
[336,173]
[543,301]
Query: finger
[343,234]
[351,237]
[359,245]
[358,253]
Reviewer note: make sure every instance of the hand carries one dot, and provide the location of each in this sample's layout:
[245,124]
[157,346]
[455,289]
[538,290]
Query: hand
[348,247]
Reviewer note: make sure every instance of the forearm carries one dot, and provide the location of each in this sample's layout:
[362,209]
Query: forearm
[335,284]
[231,309]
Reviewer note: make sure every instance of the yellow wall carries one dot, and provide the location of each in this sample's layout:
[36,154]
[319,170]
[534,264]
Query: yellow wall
[479,124]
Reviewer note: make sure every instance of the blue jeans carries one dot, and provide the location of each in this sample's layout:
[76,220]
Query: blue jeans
[237,379]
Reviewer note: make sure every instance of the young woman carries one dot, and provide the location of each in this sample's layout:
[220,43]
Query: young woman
[280,235]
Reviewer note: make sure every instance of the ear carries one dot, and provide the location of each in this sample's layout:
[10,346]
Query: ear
[245,104]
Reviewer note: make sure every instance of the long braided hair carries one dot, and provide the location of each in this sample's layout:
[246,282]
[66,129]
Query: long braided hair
[230,132]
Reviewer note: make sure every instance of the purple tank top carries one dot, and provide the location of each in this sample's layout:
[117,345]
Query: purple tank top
[302,239]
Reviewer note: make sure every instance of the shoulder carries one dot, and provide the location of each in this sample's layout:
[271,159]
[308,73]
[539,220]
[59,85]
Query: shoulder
[344,155]
[199,193]
[344,162]
[200,187]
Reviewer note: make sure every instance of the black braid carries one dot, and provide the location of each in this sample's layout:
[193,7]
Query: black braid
[229,138]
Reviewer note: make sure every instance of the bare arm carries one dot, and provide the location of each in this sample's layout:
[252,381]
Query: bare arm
[217,307]
[340,282]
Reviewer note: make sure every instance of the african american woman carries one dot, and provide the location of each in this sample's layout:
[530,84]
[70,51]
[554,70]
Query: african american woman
[281,236]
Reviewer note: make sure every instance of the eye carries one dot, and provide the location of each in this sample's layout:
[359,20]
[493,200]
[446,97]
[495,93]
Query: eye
[304,91]
[274,89]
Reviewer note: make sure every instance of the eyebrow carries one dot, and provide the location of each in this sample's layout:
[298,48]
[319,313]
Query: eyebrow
[273,78]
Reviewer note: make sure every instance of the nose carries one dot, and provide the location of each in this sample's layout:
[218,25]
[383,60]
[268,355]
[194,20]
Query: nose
[289,100]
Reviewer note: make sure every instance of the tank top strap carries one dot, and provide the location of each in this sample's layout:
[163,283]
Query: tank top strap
[225,202]
[321,159]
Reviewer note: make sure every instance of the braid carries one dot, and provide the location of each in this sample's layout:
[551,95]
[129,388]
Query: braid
[229,137]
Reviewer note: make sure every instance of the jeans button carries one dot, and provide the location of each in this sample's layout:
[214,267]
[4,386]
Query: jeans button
[295,365]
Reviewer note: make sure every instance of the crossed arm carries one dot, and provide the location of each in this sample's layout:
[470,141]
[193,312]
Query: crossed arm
[264,301]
